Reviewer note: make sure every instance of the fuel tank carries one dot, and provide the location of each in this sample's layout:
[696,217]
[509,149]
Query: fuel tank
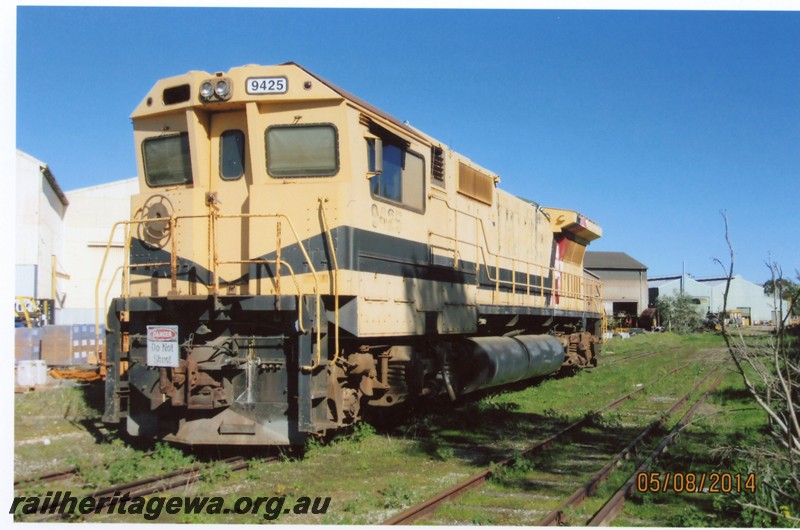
[495,361]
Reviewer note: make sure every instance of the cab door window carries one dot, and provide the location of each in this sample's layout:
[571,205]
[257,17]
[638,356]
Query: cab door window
[231,154]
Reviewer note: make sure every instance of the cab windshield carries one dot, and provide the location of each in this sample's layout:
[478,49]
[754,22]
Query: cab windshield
[167,161]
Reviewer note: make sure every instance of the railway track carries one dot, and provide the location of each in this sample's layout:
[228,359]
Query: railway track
[55,476]
[168,481]
[612,362]
[557,516]
[52,476]
[614,505]
[474,482]
[480,453]
[156,484]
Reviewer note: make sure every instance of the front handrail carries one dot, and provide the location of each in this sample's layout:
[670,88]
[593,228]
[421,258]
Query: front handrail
[215,262]
[214,216]
[334,259]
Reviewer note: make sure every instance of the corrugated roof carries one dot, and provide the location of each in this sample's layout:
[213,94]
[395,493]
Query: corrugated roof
[51,179]
[611,260]
[658,282]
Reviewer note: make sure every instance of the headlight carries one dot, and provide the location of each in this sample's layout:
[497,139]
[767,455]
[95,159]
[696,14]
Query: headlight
[206,90]
[221,89]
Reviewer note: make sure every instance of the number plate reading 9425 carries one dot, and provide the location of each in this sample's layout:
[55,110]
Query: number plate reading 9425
[267,85]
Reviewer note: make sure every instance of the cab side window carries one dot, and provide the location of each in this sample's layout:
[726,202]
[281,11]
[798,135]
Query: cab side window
[402,176]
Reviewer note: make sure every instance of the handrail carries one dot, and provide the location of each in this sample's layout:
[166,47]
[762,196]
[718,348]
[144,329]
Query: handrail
[311,268]
[323,200]
[567,293]
[212,217]
[100,356]
[278,263]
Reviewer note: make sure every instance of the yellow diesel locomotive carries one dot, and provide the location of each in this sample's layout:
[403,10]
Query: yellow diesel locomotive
[296,255]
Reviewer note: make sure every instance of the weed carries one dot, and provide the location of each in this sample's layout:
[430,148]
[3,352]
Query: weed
[313,445]
[553,414]
[520,467]
[690,516]
[172,456]
[438,447]
[216,472]
[397,494]
[606,420]
[361,432]
[492,404]
[482,519]
[352,506]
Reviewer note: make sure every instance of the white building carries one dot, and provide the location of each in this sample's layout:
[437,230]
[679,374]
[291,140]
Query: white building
[40,209]
[91,215]
[701,293]
[745,297]
[61,240]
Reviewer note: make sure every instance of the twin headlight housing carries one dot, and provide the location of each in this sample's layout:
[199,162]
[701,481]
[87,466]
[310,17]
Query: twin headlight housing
[216,90]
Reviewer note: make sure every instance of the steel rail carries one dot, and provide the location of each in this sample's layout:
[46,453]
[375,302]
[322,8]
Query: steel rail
[154,484]
[618,360]
[420,510]
[556,517]
[49,477]
[611,509]
[160,483]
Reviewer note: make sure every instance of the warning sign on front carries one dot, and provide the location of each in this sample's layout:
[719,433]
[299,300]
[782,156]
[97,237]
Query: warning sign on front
[162,346]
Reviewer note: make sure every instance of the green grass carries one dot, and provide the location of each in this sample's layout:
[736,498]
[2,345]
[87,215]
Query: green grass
[377,470]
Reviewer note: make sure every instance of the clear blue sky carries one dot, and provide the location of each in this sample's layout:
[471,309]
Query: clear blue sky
[648,122]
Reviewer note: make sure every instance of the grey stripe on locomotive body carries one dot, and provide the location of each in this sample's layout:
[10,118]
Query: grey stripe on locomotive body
[362,251]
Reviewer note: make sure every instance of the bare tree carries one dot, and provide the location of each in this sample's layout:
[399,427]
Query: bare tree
[770,370]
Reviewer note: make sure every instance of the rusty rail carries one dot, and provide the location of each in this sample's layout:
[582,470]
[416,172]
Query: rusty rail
[419,511]
[160,483]
[183,477]
[48,477]
[611,509]
[557,517]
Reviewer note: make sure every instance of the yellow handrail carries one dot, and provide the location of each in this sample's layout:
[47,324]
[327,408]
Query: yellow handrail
[311,268]
[173,262]
[332,249]
[569,278]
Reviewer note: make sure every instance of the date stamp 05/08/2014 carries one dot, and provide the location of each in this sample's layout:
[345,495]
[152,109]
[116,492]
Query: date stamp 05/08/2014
[690,482]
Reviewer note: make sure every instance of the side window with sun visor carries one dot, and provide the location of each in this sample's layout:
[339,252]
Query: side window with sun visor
[231,155]
[400,177]
[167,161]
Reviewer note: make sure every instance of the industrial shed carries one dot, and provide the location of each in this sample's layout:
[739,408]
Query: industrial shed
[624,282]
[87,227]
[745,298]
[701,293]
[38,253]
[61,238]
